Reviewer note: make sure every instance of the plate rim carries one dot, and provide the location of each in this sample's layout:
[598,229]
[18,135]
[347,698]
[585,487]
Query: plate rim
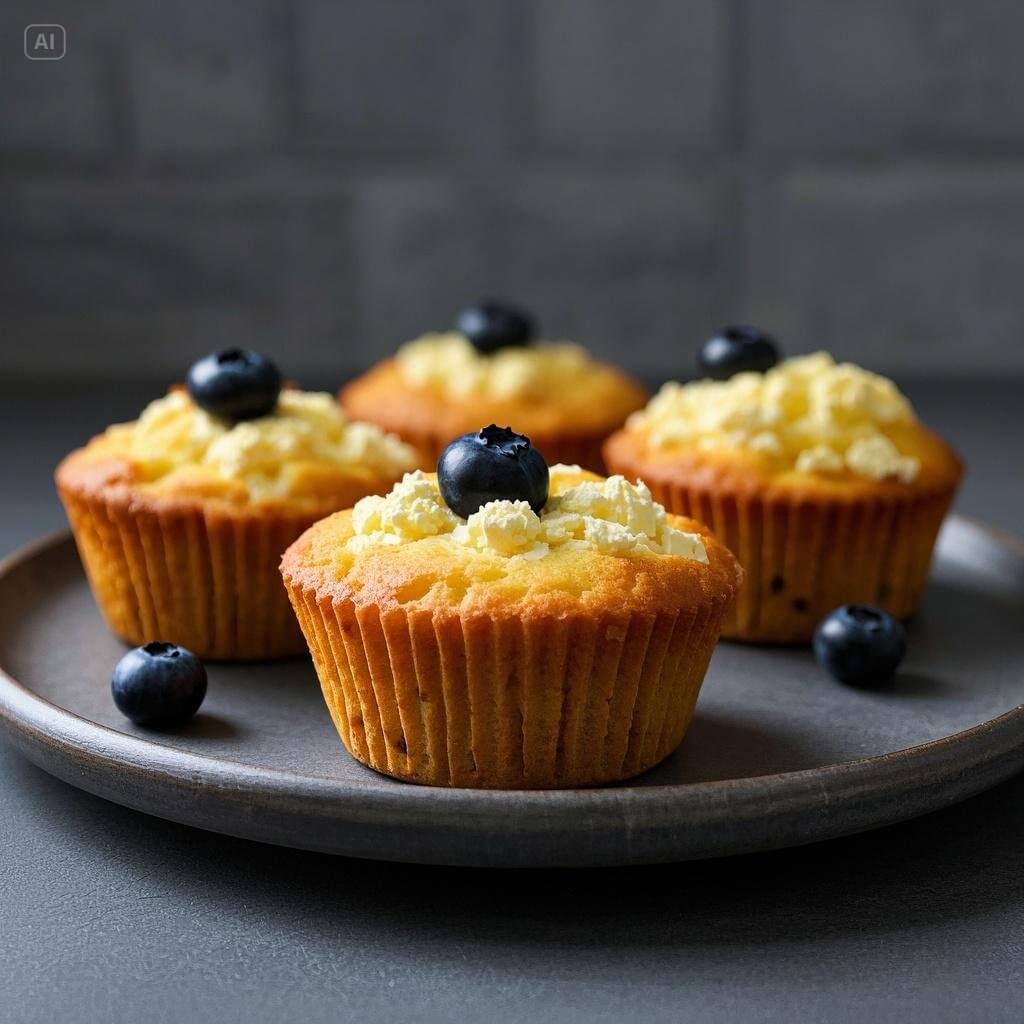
[78,750]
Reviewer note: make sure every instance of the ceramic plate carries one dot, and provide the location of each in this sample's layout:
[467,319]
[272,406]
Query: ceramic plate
[779,754]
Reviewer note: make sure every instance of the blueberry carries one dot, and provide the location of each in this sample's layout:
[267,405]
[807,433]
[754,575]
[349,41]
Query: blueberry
[491,325]
[235,384]
[737,349]
[159,684]
[859,644]
[494,464]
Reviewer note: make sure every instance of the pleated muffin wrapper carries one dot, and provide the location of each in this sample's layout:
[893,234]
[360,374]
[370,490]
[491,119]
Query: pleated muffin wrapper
[511,702]
[806,552]
[804,558]
[203,577]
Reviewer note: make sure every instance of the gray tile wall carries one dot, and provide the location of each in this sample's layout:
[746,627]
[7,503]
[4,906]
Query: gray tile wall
[322,180]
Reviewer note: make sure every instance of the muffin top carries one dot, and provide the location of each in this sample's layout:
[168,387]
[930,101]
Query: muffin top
[303,452]
[805,417]
[595,543]
[448,364]
[441,384]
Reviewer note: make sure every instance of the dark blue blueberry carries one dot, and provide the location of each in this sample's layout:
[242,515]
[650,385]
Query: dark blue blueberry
[494,464]
[859,644]
[492,325]
[737,349]
[235,384]
[159,685]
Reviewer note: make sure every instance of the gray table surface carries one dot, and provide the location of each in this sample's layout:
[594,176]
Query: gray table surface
[109,915]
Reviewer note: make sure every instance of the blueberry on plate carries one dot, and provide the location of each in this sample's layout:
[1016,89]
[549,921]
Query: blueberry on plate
[159,685]
[860,644]
[737,349]
[493,325]
[493,464]
[235,384]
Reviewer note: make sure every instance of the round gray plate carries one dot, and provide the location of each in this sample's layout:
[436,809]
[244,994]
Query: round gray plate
[778,753]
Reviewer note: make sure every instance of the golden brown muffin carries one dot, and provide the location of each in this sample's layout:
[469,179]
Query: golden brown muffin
[180,517]
[510,650]
[817,476]
[439,386]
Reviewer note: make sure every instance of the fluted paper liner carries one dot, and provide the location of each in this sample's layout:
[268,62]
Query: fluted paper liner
[803,558]
[208,581]
[507,703]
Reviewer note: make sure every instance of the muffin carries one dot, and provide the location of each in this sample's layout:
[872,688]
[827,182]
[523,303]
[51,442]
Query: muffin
[182,515]
[504,648]
[817,475]
[443,385]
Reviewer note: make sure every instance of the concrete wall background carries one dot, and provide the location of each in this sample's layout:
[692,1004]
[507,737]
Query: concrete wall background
[322,180]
